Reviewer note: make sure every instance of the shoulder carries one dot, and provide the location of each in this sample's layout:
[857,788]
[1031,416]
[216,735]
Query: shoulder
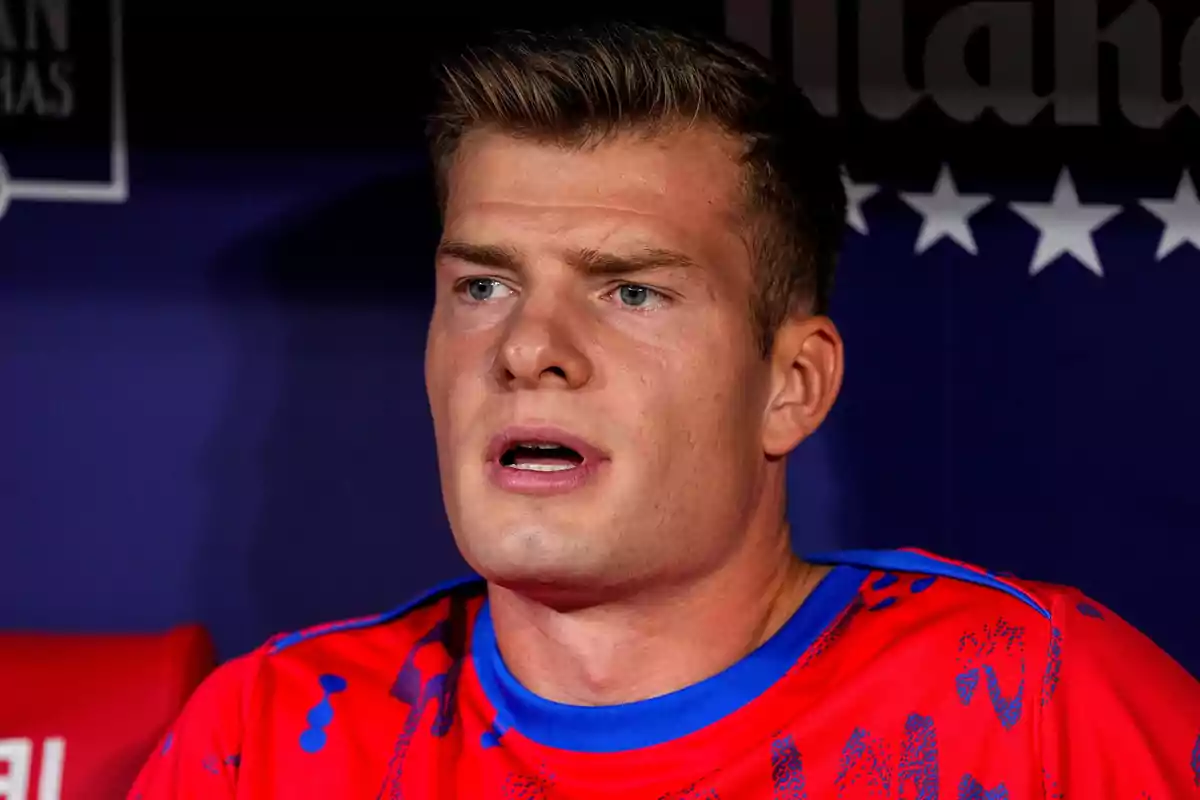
[1105,711]
[921,601]
[926,584]
[922,608]
[294,676]
[444,606]
[325,658]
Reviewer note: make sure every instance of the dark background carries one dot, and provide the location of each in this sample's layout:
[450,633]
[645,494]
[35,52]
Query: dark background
[212,401]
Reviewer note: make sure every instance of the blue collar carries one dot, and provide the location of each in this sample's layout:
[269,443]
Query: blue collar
[608,729]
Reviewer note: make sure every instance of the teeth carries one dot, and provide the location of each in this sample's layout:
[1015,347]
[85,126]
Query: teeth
[539,446]
[543,467]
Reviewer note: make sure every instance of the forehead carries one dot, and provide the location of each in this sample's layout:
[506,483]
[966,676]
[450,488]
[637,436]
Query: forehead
[683,185]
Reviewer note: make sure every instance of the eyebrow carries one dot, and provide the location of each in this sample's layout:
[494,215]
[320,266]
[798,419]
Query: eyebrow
[588,260]
[483,255]
[596,262]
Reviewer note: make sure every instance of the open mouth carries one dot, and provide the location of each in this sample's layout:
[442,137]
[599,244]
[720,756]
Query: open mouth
[540,457]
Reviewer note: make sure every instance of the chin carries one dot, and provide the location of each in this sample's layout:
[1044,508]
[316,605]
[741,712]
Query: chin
[563,590]
[531,550]
[536,557]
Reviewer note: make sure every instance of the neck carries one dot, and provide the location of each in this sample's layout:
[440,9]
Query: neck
[642,646]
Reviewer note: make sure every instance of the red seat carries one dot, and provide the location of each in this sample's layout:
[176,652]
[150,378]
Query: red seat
[80,714]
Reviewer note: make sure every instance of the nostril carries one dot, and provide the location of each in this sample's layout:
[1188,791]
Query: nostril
[556,371]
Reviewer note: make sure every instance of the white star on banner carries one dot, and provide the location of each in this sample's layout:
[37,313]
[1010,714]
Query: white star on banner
[1065,227]
[856,195]
[1181,217]
[945,213]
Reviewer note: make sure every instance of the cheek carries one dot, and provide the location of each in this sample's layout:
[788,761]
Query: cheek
[447,374]
[695,397]
[716,402]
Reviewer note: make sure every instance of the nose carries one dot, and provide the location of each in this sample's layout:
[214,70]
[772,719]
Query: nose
[541,346]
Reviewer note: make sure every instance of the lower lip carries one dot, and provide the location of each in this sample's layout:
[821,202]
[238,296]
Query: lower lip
[534,482]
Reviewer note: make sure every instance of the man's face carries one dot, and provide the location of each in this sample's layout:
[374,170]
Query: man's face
[596,391]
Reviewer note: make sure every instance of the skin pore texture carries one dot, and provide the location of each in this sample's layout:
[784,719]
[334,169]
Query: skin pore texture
[604,293]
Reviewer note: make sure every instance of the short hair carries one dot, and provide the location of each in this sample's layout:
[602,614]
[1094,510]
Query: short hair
[577,86]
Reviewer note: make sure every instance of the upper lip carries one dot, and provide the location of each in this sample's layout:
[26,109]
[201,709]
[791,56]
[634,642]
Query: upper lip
[510,437]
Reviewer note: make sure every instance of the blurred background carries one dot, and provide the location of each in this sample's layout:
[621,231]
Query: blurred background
[215,276]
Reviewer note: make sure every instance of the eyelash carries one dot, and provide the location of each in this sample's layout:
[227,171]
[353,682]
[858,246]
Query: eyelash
[462,287]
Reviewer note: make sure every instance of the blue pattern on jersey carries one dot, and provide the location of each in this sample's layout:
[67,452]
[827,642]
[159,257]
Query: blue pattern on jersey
[787,769]
[919,759]
[997,652]
[886,602]
[921,584]
[528,787]
[418,690]
[971,789]
[491,737]
[1196,762]
[884,582]
[321,715]
[1053,666]
[866,765]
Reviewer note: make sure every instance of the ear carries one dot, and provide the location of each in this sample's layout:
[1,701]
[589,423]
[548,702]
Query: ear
[807,362]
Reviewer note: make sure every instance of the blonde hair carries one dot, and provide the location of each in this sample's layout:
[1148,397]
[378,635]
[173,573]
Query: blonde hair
[579,86]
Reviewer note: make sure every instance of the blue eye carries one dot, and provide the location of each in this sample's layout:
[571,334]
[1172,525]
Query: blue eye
[637,296]
[633,295]
[482,289]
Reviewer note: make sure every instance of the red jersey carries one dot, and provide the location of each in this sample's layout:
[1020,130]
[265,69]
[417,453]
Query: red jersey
[901,676]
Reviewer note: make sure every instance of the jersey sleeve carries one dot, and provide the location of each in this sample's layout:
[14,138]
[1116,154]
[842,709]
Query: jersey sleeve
[1119,717]
[200,755]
